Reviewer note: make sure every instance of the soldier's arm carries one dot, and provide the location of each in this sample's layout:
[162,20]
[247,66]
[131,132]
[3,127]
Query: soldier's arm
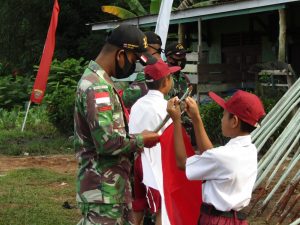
[99,114]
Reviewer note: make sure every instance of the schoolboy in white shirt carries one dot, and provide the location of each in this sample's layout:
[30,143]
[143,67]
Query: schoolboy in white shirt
[147,113]
[229,171]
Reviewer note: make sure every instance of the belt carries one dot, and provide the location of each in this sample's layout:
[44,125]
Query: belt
[211,210]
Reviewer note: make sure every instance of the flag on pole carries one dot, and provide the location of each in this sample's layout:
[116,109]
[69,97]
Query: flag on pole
[183,198]
[40,83]
[163,20]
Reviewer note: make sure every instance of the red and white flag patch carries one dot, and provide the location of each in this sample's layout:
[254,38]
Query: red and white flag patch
[143,58]
[102,98]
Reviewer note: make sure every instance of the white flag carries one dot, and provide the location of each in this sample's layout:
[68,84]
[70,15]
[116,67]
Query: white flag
[163,20]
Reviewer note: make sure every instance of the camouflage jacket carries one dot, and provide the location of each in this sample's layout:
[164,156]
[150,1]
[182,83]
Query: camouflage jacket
[135,90]
[102,144]
[181,83]
[138,88]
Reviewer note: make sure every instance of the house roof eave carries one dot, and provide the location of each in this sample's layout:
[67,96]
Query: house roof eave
[205,13]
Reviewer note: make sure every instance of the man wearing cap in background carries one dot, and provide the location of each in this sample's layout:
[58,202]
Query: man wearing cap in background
[102,143]
[147,114]
[138,88]
[176,56]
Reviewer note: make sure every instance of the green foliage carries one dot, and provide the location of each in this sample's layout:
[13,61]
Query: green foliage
[14,90]
[60,95]
[35,197]
[24,26]
[211,114]
[154,6]
[137,9]
[40,137]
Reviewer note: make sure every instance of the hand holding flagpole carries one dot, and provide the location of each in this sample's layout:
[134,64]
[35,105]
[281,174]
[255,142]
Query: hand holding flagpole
[185,95]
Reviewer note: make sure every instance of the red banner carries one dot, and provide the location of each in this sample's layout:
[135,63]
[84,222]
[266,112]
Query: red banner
[40,83]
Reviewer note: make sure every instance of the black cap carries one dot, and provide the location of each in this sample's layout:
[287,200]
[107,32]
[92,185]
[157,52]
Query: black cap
[153,38]
[175,48]
[129,37]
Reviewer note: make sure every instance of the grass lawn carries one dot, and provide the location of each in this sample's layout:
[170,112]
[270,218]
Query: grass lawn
[14,142]
[35,197]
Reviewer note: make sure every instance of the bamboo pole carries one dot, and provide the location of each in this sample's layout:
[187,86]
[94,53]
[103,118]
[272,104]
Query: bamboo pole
[280,105]
[278,148]
[284,215]
[282,178]
[295,142]
[285,197]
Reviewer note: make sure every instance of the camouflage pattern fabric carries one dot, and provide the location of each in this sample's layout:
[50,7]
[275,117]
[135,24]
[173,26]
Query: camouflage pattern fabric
[106,214]
[102,144]
[136,90]
[181,83]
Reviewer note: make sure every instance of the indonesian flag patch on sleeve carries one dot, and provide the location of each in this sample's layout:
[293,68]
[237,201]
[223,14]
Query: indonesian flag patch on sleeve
[102,101]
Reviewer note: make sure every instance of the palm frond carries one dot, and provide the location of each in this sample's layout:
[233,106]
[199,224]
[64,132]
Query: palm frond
[154,6]
[136,6]
[118,11]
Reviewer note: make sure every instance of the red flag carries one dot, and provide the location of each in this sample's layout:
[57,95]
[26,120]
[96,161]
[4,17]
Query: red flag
[183,197]
[40,83]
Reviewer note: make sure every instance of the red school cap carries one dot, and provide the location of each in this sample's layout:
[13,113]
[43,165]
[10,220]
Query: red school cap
[244,105]
[159,70]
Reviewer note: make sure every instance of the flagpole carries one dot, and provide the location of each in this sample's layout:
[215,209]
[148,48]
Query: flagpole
[26,114]
[163,21]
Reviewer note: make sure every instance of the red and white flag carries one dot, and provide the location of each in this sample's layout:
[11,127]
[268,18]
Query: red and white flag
[183,198]
[40,83]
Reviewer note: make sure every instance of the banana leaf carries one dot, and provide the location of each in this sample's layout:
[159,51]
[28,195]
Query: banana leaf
[117,11]
[154,6]
[136,6]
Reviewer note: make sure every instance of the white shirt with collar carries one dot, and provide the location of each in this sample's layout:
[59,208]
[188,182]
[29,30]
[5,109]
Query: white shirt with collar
[229,171]
[146,114]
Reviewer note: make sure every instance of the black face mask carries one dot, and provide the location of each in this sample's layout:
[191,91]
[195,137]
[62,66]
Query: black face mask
[127,70]
[181,62]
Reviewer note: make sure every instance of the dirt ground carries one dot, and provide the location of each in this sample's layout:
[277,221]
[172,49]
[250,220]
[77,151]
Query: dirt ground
[67,164]
[57,163]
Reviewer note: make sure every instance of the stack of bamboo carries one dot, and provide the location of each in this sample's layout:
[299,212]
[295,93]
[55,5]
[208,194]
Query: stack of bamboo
[281,159]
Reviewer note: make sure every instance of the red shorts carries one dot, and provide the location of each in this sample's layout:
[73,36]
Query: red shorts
[144,197]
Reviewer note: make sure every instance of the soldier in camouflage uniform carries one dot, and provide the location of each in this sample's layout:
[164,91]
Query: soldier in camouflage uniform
[138,88]
[102,143]
[176,56]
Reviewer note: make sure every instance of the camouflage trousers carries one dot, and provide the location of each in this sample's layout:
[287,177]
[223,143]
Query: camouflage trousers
[106,214]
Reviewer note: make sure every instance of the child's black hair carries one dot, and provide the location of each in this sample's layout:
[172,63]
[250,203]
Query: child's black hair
[156,84]
[245,127]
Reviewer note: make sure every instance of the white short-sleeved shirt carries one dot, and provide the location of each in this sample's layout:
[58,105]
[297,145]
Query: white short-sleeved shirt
[229,171]
[147,114]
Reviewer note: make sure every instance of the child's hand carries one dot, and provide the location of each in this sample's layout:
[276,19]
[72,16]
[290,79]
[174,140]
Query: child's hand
[192,108]
[173,109]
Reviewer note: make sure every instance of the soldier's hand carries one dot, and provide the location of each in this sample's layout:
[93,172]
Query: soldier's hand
[150,138]
[192,108]
[173,108]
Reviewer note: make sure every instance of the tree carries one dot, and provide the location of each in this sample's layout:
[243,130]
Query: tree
[24,26]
